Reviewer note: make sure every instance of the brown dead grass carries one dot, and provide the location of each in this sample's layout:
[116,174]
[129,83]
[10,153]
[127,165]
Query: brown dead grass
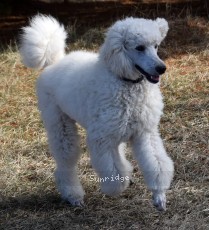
[28,197]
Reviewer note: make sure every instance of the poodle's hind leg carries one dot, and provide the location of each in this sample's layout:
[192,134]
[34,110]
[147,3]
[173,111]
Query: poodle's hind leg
[63,142]
[113,170]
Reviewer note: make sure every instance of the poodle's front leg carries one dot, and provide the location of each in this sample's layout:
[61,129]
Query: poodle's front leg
[156,165]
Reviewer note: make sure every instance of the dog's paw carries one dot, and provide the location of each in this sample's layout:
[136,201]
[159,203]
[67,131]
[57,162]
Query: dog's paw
[159,201]
[75,202]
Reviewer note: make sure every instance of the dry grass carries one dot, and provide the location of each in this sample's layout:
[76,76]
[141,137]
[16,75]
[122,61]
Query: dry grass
[28,197]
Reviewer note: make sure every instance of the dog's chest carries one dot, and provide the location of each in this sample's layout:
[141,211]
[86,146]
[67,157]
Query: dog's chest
[121,112]
[142,109]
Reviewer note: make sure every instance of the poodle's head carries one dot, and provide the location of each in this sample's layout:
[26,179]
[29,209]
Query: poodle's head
[130,48]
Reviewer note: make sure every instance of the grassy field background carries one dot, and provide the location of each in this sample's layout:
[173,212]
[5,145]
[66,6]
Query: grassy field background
[28,197]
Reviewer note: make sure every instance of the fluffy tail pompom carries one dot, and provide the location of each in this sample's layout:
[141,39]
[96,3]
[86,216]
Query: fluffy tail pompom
[42,42]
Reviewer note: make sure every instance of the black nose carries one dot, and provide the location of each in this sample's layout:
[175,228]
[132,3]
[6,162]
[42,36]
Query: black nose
[160,69]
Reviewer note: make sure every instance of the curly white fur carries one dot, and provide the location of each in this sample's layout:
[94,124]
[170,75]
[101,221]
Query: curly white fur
[101,92]
[43,42]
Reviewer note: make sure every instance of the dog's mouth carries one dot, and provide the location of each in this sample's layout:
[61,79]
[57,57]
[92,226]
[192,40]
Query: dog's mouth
[151,78]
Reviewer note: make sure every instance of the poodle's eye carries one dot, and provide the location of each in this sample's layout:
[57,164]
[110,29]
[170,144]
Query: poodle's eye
[156,46]
[140,48]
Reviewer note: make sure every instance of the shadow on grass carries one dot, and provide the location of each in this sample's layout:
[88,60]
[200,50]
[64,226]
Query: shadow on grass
[44,211]
[48,211]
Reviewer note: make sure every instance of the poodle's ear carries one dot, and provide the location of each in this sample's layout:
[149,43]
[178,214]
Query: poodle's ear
[117,61]
[163,27]
[113,53]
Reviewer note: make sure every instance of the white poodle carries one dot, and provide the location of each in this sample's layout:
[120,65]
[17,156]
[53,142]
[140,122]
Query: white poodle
[113,94]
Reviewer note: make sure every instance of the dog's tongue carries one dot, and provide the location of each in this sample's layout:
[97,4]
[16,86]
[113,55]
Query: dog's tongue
[155,78]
